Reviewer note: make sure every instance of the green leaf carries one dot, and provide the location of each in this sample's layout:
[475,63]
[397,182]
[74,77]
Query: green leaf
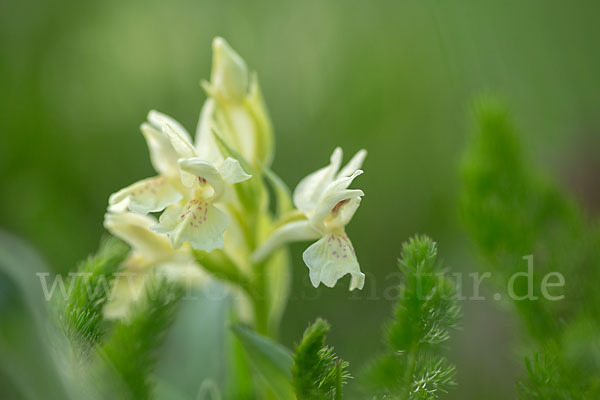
[272,361]
[195,347]
[239,384]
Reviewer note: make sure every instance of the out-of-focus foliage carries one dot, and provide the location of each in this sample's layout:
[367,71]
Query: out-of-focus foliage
[66,346]
[132,347]
[318,372]
[81,313]
[413,366]
[26,358]
[512,213]
[271,361]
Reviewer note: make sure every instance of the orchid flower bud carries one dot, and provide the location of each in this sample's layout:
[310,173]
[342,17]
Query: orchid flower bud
[229,76]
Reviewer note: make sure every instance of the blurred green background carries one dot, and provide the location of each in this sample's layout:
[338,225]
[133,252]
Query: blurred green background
[394,77]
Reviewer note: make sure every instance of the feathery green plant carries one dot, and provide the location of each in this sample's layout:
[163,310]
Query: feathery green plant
[81,314]
[125,347]
[413,366]
[317,372]
[132,345]
[511,213]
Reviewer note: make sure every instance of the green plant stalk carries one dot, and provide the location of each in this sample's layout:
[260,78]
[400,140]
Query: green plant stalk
[411,363]
[338,380]
[250,194]
[260,299]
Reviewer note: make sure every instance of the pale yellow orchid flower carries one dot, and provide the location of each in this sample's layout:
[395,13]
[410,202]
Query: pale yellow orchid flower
[186,189]
[196,219]
[328,206]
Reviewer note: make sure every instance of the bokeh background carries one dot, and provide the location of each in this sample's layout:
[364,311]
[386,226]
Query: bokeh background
[394,77]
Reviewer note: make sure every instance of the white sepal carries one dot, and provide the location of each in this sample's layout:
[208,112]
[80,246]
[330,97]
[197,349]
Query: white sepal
[148,195]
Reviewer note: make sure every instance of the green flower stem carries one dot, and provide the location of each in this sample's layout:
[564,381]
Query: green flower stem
[260,299]
[222,267]
[250,195]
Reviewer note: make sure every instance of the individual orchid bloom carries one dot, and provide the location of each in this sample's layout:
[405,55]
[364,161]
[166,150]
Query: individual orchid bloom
[150,253]
[328,206]
[194,186]
[235,109]
[196,219]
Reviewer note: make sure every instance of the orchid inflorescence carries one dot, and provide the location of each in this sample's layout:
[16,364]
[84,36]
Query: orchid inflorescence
[210,199]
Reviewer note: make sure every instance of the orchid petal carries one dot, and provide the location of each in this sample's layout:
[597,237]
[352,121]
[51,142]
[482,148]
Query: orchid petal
[182,146]
[330,258]
[354,164]
[347,210]
[206,144]
[336,192]
[134,229]
[307,193]
[158,120]
[198,222]
[204,170]
[163,156]
[232,172]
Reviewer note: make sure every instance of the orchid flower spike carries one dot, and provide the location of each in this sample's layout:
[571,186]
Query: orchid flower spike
[328,206]
[186,189]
